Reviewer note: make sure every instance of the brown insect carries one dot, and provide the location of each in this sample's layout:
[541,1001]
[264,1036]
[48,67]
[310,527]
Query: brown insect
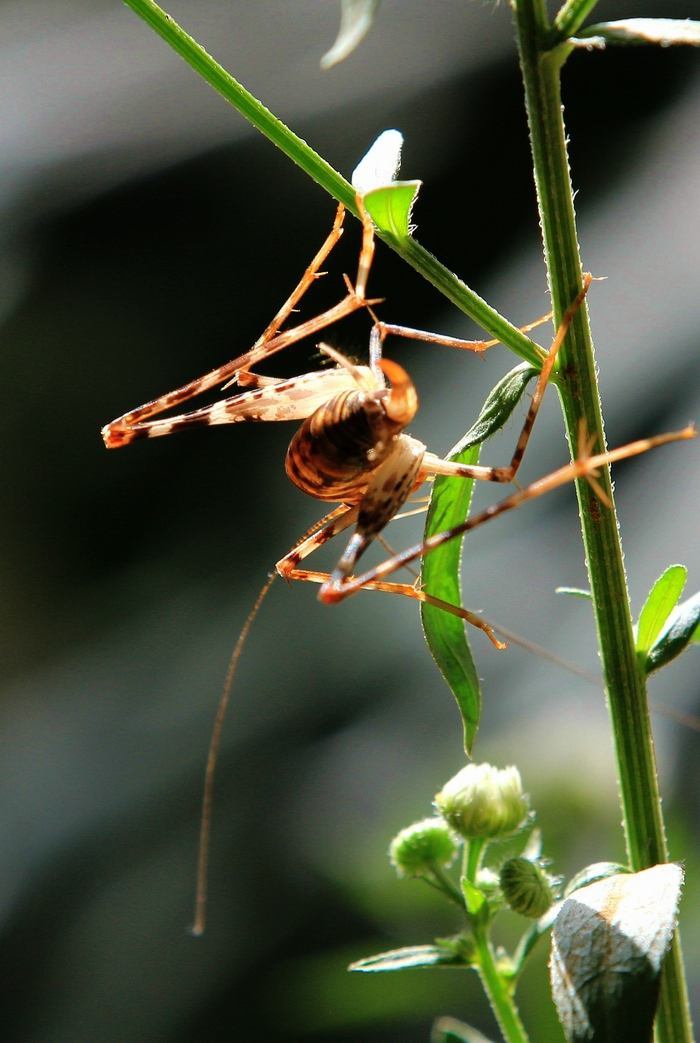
[352,450]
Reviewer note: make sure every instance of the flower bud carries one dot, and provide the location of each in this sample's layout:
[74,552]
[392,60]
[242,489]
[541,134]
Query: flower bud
[483,801]
[420,847]
[526,887]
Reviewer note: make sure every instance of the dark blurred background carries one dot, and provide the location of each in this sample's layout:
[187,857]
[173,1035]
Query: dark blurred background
[148,234]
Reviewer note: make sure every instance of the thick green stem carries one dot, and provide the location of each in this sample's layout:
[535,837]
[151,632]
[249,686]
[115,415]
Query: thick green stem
[576,380]
[323,173]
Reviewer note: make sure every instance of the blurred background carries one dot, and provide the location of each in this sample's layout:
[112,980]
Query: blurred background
[148,234]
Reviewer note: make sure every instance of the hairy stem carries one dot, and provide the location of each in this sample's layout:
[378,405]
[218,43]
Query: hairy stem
[577,383]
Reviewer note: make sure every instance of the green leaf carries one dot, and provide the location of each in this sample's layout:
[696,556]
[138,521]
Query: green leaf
[449,1030]
[499,404]
[574,592]
[608,944]
[477,905]
[662,32]
[356,17]
[680,631]
[390,207]
[660,602]
[445,634]
[408,958]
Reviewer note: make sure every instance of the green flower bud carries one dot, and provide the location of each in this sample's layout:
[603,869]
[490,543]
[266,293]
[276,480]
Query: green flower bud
[420,847]
[483,801]
[526,887]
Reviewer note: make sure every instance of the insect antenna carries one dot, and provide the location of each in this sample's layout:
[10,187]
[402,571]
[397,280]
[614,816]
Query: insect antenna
[200,905]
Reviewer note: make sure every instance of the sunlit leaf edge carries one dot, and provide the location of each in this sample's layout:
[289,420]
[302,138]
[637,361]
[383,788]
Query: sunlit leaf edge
[660,602]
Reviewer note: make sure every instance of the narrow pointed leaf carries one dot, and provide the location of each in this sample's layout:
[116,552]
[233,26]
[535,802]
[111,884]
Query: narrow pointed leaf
[356,17]
[449,1030]
[661,32]
[440,576]
[408,958]
[680,631]
[608,944]
[500,403]
[440,571]
[662,599]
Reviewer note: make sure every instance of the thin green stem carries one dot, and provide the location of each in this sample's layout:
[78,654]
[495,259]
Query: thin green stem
[498,990]
[473,850]
[577,383]
[443,884]
[571,17]
[334,183]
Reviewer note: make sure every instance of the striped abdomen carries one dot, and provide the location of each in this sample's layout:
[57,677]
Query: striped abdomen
[337,448]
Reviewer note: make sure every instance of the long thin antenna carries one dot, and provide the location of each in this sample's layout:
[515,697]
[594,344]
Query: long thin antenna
[200,905]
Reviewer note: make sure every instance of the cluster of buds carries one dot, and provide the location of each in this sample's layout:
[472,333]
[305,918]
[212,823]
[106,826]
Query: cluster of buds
[480,803]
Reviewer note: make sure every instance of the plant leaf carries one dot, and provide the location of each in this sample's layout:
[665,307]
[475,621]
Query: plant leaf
[500,403]
[476,902]
[681,630]
[449,1030]
[390,207]
[608,944]
[407,958]
[445,634]
[660,602]
[356,17]
[440,570]
[663,32]
[574,592]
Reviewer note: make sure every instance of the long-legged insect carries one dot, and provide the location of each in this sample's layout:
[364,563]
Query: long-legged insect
[352,450]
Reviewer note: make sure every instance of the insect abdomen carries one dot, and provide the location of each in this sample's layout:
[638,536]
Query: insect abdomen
[336,449]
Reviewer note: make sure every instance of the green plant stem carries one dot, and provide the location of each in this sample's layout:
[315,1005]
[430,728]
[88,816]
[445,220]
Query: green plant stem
[571,17]
[577,384]
[498,991]
[473,850]
[334,183]
[443,883]
[496,987]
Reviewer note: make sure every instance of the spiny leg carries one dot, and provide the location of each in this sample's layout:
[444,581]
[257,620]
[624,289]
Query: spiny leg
[119,431]
[333,524]
[587,467]
[435,465]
